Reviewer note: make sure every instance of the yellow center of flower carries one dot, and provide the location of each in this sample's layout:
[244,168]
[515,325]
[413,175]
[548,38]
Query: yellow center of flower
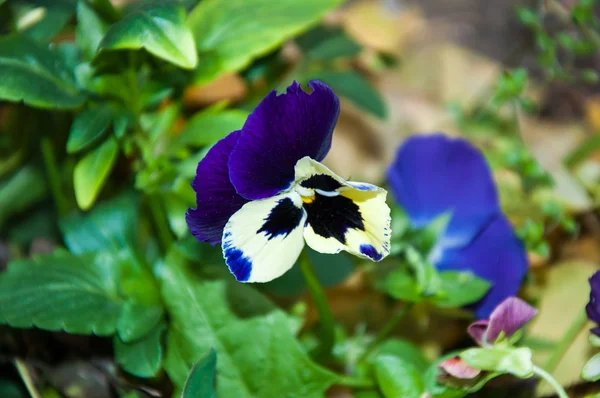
[308,199]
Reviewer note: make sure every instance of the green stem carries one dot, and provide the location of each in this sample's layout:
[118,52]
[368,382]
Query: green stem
[53,176]
[349,381]
[327,324]
[577,325]
[26,376]
[560,391]
[387,329]
[161,223]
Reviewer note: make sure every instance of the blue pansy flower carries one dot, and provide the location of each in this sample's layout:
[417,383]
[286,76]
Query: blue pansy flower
[261,191]
[435,174]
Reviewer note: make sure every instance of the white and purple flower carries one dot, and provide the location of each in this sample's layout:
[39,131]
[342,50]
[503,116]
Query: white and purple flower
[262,193]
[434,174]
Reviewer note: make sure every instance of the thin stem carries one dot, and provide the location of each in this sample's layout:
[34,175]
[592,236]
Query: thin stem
[566,340]
[387,329]
[327,325]
[560,391]
[161,223]
[26,376]
[349,381]
[53,175]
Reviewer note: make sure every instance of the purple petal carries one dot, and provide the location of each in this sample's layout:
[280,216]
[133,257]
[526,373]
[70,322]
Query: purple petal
[508,317]
[282,130]
[477,330]
[216,198]
[593,306]
[457,368]
[498,256]
[433,174]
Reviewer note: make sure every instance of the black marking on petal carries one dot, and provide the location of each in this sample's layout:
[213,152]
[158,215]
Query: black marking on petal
[332,217]
[282,219]
[323,182]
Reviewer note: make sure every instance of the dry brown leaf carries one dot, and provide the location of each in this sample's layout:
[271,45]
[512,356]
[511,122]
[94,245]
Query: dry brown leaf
[226,87]
[373,24]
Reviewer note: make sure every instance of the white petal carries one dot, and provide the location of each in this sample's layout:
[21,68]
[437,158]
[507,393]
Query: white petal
[342,215]
[263,239]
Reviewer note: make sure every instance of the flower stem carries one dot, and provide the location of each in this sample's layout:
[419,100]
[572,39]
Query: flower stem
[387,329]
[349,381]
[560,391]
[565,342]
[26,376]
[53,176]
[160,222]
[327,325]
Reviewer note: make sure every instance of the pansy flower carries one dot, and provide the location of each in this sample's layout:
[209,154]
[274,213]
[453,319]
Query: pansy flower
[433,175]
[510,316]
[262,193]
[593,306]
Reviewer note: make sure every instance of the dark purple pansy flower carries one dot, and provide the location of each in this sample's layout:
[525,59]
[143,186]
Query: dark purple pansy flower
[435,174]
[593,307]
[261,191]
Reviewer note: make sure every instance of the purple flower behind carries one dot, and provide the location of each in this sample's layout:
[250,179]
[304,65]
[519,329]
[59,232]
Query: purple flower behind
[435,174]
[593,307]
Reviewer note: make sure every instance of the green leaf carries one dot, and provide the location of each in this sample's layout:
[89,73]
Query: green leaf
[405,350]
[41,20]
[24,188]
[209,126]
[92,171]
[258,355]
[591,370]
[398,378]
[137,320]
[516,361]
[228,40]
[356,88]
[142,358]
[401,285]
[162,31]
[35,75]
[88,127]
[425,239]
[109,226]
[90,29]
[62,292]
[459,288]
[322,43]
[200,382]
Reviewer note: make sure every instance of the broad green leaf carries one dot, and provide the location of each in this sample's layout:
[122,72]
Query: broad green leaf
[228,39]
[356,89]
[591,370]
[516,361]
[325,43]
[403,349]
[92,171]
[24,188]
[137,320]
[90,29]
[258,355]
[62,292]
[88,127]
[41,20]
[34,74]
[398,378]
[109,226]
[162,31]
[209,126]
[10,388]
[200,382]
[401,285]
[142,358]
[425,239]
[459,288]
[176,207]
